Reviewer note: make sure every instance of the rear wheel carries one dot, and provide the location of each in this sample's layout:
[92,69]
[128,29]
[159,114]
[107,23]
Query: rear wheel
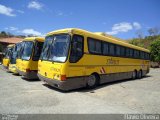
[134,75]
[92,81]
[140,74]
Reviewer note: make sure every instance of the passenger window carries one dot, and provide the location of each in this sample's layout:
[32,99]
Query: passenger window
[142,55]
[146,56]
[136,54]
[76,48]
[122,50]
[131,53]
[127,52]
[118,52]
[105,48]
[111,49]
[94,46]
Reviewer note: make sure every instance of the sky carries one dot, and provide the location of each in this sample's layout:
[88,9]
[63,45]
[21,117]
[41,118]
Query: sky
[120,18]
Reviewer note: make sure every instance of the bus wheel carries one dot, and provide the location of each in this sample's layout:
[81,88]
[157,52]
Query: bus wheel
[92,81]
[134,75]
[140,74]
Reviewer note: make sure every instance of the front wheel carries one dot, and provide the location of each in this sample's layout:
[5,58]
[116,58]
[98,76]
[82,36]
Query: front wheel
[92,81]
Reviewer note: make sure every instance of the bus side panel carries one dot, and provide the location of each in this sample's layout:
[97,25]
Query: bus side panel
[6,62]
[113,68]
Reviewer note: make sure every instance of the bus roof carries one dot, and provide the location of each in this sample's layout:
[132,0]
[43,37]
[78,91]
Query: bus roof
[98,35]
[41,39]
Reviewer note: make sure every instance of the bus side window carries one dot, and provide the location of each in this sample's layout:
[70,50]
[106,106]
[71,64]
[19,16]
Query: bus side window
[118,52]
[112,49]
[122,51]
[127,52]
[76,48]
[105,47]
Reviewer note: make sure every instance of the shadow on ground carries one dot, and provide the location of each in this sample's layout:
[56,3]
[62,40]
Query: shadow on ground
[94,89]
[30,80]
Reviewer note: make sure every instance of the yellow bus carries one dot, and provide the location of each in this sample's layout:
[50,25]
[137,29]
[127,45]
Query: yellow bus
[14,53]
[7,56]
[27,59]
[74,58]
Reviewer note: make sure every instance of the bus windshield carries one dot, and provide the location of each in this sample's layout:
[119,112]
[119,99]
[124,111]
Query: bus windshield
[8,53]
[19,49]
[27,50]
[15,51]
[56,48]
[13,56]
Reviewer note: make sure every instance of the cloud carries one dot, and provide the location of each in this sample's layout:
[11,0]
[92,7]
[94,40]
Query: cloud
[6,11]
[13,28]
[62,13]
[104,23]
[59,13]
[123,27]
[35,5]
[136,25]
[20,11]
[120,27]
[31,31]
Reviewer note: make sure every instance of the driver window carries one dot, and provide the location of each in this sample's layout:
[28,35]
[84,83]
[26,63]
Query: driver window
[76,48]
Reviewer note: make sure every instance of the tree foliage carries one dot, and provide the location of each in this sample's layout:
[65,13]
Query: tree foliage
[155,50]
[145,42]
[154,31]
[4,34]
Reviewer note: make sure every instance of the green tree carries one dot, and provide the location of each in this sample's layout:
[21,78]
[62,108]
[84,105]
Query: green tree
[154,31]
[155,51]
[3,34]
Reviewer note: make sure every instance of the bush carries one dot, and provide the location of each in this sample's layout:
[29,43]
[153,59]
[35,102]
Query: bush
[155,51]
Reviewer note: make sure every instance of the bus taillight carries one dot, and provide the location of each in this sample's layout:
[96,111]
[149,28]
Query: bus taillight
[28,70]
[63,77]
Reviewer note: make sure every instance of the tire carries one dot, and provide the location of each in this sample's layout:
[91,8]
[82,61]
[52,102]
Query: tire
[134,75]
[140,74]
[92,81]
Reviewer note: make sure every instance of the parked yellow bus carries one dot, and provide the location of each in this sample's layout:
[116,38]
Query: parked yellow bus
[7,56]
[74,58]
[27,59]
[12,65]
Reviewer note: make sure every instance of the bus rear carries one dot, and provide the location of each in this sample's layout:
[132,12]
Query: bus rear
[27,63]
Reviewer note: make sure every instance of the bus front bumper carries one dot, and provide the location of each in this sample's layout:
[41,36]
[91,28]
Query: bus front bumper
[12,68]
[28,75]
[69,84]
